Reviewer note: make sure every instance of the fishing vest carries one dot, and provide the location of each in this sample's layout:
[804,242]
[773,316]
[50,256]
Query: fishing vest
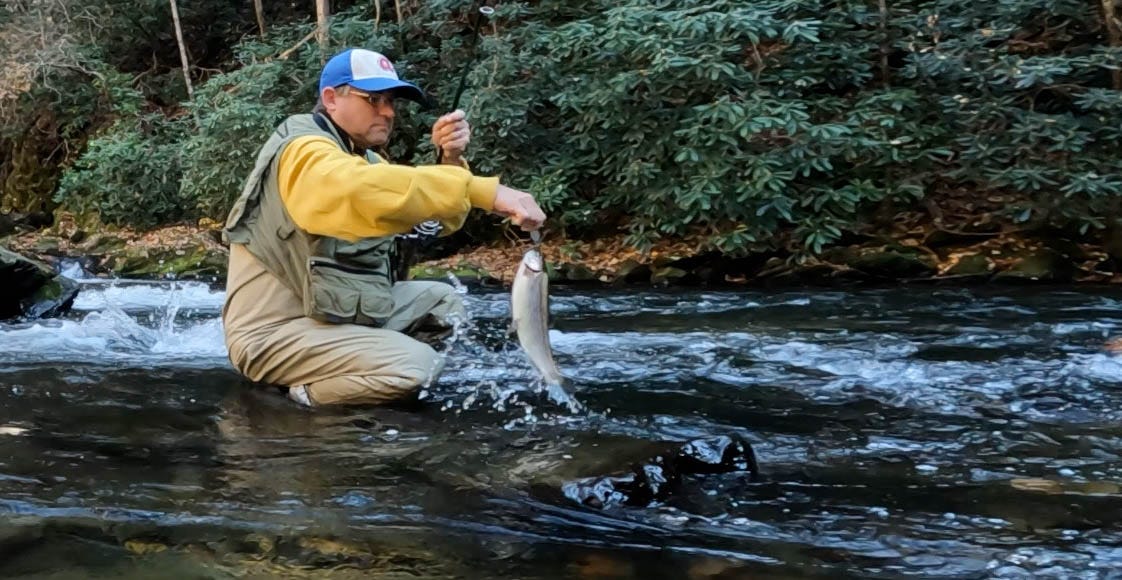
[338,281]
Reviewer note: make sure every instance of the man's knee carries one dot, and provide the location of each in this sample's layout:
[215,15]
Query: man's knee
[442,298]
[414,366]
[422,365]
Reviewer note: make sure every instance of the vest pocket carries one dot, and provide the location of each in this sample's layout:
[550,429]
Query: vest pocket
[340,294]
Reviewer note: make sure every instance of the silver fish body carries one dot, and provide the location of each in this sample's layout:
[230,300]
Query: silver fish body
[529,308]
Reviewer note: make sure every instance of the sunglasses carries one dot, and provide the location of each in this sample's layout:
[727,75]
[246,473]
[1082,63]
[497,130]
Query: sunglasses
[376,99]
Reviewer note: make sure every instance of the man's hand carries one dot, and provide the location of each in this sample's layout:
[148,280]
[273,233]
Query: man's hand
[452,134]
[520,207]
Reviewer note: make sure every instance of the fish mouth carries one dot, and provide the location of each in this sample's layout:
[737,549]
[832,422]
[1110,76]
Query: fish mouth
[533,260]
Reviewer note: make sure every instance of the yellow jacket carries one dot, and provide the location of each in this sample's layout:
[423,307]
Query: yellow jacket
[330,192]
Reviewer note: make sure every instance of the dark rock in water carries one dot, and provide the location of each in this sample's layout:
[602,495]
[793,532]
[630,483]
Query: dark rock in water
[631,271]
[600,492]
[1042,264]
[32,289]
[667,275]
[13,222]
[660,477]
[1112,240]
[7,224]
[18,534]
[939,238]
[577,273]
[717,455]
[891,263]
[796,274]
[972,265]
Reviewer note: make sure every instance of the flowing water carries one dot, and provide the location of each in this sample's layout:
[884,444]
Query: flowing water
[912,432]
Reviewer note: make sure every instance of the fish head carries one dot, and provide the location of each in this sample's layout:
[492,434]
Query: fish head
[533,261]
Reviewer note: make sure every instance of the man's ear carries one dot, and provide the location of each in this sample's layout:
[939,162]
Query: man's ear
[328,98]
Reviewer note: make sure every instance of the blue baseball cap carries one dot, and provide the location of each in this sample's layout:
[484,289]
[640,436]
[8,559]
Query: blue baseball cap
[367,70]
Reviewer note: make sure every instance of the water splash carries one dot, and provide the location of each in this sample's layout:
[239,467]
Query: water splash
[152,332]
[73,269]
[464,353]
[132,296]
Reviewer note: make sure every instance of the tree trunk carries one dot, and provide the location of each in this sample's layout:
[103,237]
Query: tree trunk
[260,10]
[377,14]
[182,49]
[884,44]
[322,12]
[1113,24]
[400,26]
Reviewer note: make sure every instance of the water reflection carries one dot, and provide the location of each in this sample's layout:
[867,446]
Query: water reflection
[922,432]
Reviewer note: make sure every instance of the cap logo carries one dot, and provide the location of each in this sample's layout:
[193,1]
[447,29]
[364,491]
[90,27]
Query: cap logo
[367,64]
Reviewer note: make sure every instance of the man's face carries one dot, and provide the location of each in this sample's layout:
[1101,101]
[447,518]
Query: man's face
[366,117]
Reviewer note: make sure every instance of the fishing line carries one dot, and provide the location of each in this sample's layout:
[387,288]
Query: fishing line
[430,229]
[483,13]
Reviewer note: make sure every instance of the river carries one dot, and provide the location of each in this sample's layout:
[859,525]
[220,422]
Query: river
[908,432]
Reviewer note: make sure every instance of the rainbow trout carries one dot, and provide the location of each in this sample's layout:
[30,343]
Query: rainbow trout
[529,310]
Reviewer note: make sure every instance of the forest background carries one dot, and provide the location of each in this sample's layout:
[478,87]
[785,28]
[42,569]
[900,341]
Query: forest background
[955,138]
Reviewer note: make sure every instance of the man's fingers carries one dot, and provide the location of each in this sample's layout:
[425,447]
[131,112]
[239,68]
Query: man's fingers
[445,136]
[454,116]
[458,136]
[444,140]
[449,130]
[531,217]
[456,139]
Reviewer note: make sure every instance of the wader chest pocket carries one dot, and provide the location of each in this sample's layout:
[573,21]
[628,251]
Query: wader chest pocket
[339,293]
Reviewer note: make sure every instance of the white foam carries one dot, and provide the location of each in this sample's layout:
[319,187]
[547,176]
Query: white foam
[134,296]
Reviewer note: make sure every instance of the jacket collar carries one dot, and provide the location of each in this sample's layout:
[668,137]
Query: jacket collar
[328,124]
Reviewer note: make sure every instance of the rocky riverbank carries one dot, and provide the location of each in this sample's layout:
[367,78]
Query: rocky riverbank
[923,255]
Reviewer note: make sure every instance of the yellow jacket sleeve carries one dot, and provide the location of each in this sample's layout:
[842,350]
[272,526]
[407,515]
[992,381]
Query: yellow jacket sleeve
[329,192]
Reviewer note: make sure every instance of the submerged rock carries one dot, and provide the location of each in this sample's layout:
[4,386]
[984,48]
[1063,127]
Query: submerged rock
[32,289]
[656,479]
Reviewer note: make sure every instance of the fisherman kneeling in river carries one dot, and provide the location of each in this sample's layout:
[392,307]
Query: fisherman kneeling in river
[311,299]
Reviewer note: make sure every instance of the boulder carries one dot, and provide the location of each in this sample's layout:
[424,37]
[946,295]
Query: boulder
[577,272]
[667,275]
[1038,265]
[32,289]
[893,264]
[186,263]
[631,271]
[971,265]
[810,273]
[1112,241]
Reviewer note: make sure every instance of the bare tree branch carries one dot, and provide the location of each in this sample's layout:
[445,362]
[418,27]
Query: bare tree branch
[884,44]
[259,9]
[1114,31]
[182,50]
[322,13]
[302,42]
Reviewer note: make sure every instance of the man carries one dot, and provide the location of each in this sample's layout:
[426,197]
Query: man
[311,303]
